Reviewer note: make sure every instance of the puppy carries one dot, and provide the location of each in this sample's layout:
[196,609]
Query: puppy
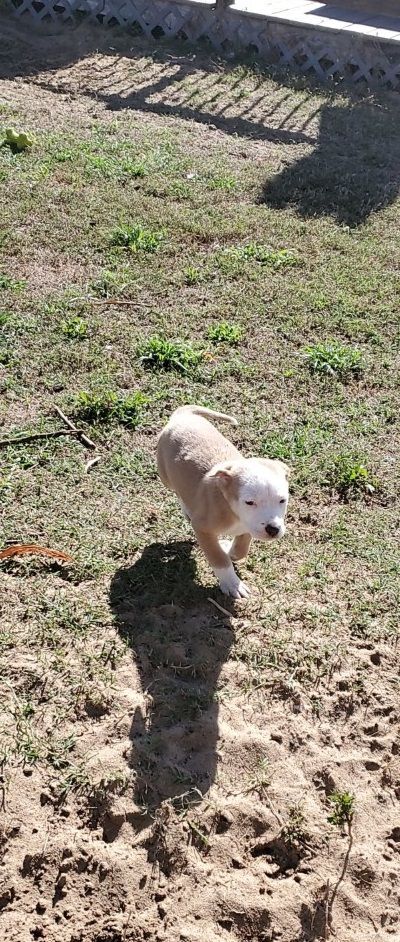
[220,491]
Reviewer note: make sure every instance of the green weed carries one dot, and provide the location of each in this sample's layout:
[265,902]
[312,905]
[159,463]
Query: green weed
[136,238]
[350,477]
[276,258]
[10,284]
[295,830]
[75,328]
[6,357]
[191,275]
[227,184]
[334,359]
[111,283]
[225,333]
[107,406]
[157,353]
[343,808]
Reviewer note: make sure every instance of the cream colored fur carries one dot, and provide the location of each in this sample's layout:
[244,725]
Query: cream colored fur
[220,491]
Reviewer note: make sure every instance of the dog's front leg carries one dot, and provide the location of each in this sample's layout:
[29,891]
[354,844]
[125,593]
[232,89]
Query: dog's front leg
[222,565]
[240,546]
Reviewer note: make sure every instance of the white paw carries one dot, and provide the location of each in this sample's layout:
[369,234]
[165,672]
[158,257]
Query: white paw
[232,585]
[243,591]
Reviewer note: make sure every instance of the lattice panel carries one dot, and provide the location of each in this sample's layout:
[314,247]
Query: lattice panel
[326,56]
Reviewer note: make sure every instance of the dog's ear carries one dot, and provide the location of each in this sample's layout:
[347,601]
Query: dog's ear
[285,468]
[276,462]
[222,473]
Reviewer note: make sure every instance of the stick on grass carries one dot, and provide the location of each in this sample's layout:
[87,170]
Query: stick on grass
[83,438]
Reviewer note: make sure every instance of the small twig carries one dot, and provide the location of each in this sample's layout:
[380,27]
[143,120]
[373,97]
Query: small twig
[329,897]
[3,804]
[126,926]
[35,435]
[327,913]
[273,809]
[90,464]
[344,869]
[83,438]
[217,605]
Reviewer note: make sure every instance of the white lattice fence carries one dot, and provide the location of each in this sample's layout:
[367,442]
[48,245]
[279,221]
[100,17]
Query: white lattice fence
[319,53]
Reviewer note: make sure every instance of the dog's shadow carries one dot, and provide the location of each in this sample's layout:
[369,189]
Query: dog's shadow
[179,644]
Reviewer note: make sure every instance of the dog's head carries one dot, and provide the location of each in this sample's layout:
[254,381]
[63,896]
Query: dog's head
[257,491]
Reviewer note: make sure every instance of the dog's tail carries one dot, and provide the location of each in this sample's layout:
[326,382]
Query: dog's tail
[207,413]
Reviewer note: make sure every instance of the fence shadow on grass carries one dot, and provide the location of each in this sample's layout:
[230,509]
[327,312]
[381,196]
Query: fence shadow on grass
[345,162]
[353,171]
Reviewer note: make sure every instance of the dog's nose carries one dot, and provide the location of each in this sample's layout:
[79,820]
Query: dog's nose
[271,530]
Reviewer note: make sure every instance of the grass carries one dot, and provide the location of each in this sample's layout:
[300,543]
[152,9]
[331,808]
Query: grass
[276,258]
[157,353]
[136,238]
[7,283]
[99,408]
[351,478]
[75,328]
[190,285]
[192,275]
[225,332]
[334,359]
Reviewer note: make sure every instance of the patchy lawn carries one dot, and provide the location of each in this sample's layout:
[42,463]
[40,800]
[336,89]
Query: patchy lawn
[189,230]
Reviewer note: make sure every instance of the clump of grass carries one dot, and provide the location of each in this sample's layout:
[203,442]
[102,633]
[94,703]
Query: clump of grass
[295,830]
[4,318]
[59,751]
[75,328]
[300,442]
[334,359]
[9,284]
[76,779]
[222,183]
[225,333]
[157,353]
[107,406]
[350,477]
[5,357]
[192,275]
[136,238]
[277,258]
[111,167]
[110,283]
[343,808]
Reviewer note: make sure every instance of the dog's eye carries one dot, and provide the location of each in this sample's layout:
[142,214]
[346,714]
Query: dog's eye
[250,503]
[282,501]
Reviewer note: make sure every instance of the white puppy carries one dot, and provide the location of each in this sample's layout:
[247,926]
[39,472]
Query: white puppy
[220,491]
